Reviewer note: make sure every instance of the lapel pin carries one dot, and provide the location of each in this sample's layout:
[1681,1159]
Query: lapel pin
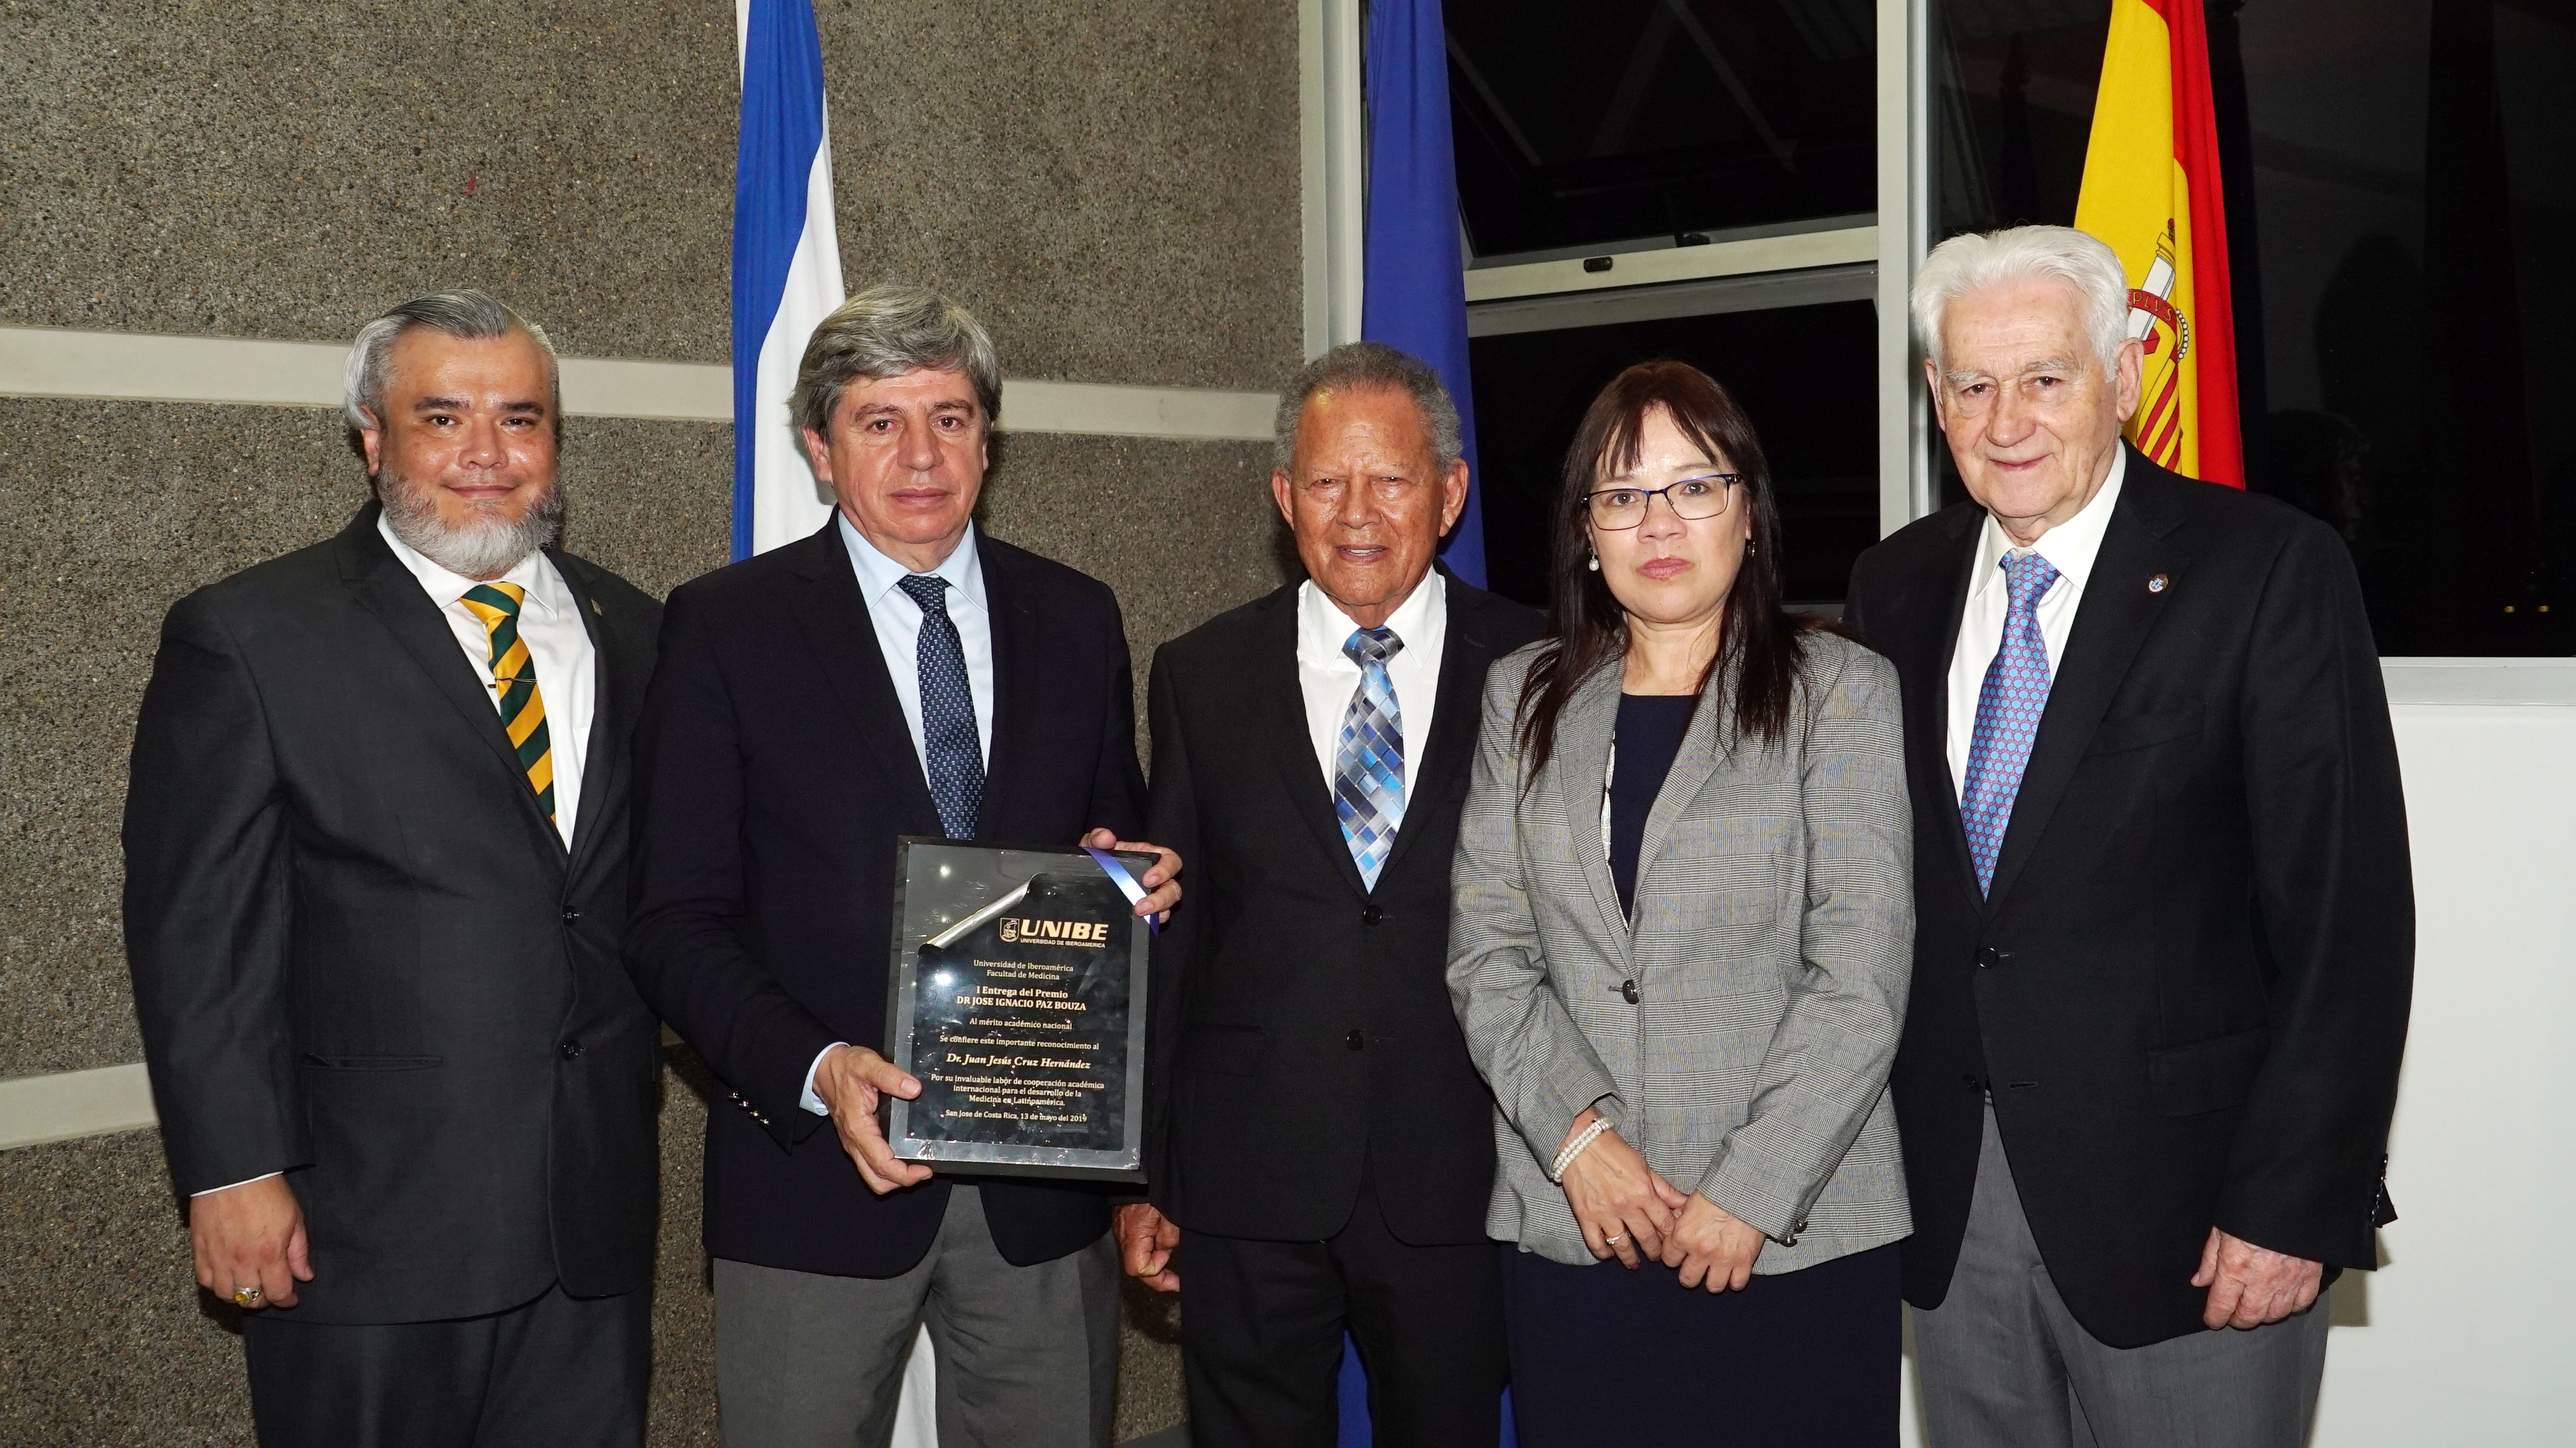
[603,613]
[2157,583]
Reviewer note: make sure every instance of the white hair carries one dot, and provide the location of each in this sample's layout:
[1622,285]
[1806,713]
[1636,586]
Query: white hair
[1975,262]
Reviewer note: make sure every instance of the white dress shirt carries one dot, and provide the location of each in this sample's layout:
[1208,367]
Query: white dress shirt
[898,624]
[2070,548]
[1328,678]
[558,645]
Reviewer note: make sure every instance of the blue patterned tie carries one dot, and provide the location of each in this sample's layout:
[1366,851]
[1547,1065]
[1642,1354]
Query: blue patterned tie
[2008,709]
[1368,763]
[950,746]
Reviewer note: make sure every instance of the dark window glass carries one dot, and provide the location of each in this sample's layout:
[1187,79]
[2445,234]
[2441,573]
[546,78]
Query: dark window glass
[2400,202]
[1802,373]
[1584,125]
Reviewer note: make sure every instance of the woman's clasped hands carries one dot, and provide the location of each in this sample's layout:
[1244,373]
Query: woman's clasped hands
[1627,1210]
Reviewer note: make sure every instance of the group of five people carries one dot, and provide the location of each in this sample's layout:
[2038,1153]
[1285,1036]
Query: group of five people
[2033,944]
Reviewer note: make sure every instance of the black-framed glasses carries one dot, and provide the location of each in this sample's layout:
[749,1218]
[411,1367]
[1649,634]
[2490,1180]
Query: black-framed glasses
[1691,499]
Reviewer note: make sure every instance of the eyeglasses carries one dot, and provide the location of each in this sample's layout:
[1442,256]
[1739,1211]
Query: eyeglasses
[1691,499]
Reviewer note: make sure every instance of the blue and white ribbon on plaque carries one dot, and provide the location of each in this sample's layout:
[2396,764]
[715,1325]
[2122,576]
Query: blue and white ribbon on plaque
[1126,881]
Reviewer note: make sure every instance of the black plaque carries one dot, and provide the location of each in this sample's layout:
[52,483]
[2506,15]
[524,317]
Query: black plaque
[1018,1001]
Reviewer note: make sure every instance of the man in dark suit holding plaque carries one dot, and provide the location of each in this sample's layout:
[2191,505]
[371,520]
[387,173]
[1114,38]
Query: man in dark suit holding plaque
[1320,1146]
[895,674]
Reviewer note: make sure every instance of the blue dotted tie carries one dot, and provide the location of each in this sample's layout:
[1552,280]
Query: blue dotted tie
[951,750]
[2008,709]
[1368,762]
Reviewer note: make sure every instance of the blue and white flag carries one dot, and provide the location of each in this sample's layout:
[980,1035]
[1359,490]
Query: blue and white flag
[786,267]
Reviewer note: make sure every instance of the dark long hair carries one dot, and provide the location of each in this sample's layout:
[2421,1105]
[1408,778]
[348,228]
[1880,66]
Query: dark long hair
[1759,639]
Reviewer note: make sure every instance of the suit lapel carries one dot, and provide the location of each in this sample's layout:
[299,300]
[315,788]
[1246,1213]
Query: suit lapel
[1278,704]
[389,591]
[603,765]
[1015,686]
[1707,743]
[1465,654]
[2112,621]
[834,619]
[1943,602]
[1582,760]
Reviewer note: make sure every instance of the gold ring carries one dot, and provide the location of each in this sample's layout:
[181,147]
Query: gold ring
[1622,1237]
[247,1296]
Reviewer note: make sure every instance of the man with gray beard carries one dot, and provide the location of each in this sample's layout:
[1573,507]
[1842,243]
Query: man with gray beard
[376,844]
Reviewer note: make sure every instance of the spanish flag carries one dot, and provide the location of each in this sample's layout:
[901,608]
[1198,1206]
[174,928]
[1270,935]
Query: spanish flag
[2151,190]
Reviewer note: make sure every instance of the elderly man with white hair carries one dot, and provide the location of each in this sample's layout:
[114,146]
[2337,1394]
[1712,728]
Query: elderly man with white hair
[2165,924]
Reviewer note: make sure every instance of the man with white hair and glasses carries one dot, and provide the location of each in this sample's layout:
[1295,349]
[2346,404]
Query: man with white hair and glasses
[2165,924]
[376,854]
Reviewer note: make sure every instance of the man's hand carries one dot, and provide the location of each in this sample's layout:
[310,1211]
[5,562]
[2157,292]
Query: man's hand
[2249,1285]
[1145,1241]
[1712,1245]
[251,1235]
[849,1080]
[1162,881]
[1624,1208]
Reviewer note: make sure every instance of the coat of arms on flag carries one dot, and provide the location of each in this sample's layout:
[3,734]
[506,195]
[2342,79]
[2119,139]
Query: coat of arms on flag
[2152,192]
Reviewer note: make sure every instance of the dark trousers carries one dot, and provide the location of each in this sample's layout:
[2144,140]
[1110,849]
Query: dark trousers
[1262,1325]
[559,1372]
[1804,1359]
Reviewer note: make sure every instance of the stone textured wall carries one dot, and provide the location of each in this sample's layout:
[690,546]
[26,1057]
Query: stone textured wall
[1112,188]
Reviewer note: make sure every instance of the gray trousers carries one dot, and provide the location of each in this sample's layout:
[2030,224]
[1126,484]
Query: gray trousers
[1028,1356]
[2005,1365]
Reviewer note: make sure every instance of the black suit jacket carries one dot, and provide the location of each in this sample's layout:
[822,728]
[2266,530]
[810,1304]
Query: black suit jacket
[774,773]
[1265,1115]
[2188,989]
[362,955]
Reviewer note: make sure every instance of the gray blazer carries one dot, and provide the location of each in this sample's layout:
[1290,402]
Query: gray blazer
[1771,949]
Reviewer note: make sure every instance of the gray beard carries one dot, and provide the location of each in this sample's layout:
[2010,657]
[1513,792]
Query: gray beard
[484,548]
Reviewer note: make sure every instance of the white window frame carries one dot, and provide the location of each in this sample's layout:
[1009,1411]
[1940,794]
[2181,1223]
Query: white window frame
[1741,266]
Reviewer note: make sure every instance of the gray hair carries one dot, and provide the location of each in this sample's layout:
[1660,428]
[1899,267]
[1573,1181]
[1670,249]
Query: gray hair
[1361,366]
[887,331]
[471,316]
[1974,262]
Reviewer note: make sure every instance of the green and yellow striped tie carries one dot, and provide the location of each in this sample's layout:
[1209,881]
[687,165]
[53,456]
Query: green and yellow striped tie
[514,677]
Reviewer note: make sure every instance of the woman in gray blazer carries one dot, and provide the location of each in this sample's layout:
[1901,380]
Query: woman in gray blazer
[1680,947]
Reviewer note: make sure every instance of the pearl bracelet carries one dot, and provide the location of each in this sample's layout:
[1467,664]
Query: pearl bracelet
[1574,1148]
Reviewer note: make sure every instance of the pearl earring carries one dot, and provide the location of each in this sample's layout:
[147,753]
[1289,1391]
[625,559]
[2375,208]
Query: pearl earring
[1595,564]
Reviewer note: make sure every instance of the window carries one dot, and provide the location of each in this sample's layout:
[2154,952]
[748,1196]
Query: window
[2399,207]
[1672,178]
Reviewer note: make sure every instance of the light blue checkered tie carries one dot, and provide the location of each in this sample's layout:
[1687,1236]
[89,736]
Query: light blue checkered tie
[2008,710]
[1368,763]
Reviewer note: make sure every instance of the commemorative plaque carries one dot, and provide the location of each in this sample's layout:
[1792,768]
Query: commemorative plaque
[1017,999]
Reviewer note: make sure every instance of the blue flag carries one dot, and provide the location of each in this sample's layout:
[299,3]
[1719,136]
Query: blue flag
[1414,281]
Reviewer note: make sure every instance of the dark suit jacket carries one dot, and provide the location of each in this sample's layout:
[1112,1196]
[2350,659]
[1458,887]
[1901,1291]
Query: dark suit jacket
[2188,989]
[774,773]
[362,955]
[1265,1116]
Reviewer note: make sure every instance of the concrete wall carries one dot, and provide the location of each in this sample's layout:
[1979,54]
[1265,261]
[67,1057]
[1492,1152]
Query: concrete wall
[1113,188]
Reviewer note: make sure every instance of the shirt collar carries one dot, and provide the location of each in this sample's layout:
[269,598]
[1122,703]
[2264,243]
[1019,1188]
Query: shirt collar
[2070,547]
[543,589]
[880,575]
[1323,628]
